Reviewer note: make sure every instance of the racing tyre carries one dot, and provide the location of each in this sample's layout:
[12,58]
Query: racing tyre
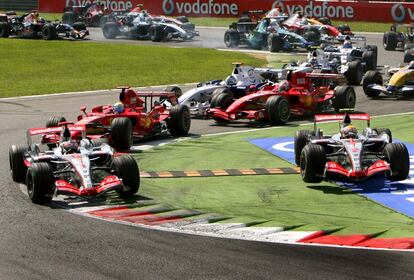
[354,73]
[312,35]
[399,160]
[69,18]
[183,19]
[370,60]
[49,32]
[79,26]
[231,38]
[345,97]
[217,92]
[110,30]
[179,122]
[54,121]
[278,109]
[156,33]
[126,168]
[312,163]
[222,99]
[274,42]
[16,160]
[40,182]
[371,77]
[188,27]
[389,40]
[408,57]
[325,20]
[4,29]
[373,48]
[300,141]
[177,92]
[105,19]
[244,19]
[121,132]
[381,131]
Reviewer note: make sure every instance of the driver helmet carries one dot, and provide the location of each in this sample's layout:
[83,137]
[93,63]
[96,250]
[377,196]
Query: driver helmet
[284,86]
[118,108]
[347,43]
[86,144]
[349,131]
[69,147]
[313,61]
[411,65]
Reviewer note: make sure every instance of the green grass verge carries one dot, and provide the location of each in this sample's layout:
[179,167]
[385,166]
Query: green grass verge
[37,67]
[278,200]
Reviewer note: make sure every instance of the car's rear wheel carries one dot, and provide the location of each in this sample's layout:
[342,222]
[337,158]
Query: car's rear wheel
[4,29]
[79,26]
[354,73]
[370,60]
[179,122]
[122,133]
[371,77]
[110,30]
[399,160]
[389,40]
[300,141]
[40,182]
[16,160]
[274,42]
[54,121]
[49,32]
[312,163]
[126,168]
[156,33]
[231,38]
[345,97]
[278,109]
[69,17]
[382,131]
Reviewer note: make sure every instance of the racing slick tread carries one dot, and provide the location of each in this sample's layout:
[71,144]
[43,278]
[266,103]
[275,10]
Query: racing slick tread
[179,122]
[300,141]
[127,169]
[54,121]
[345,97]
[371,77]
[110,30]
[275,109]
[4,29]
[49,32]
[399,161]
[312,163]
[121,132]
[40,182]
[16,160]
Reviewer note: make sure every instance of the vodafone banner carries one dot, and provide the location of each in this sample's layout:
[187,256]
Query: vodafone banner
[343,10]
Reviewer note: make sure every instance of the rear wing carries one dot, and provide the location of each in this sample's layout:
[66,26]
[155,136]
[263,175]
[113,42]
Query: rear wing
[341,117]
[52,131]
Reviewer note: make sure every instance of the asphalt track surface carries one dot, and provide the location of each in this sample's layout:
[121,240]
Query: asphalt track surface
[40,242]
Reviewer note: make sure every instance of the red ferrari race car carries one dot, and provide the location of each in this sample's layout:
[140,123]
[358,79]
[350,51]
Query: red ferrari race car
[132,117]
[301,94]
[349,155]
[82,168]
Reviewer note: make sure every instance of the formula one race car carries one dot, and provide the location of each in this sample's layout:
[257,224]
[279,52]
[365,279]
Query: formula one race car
[397,39]
[352,61]
[132,118]
[400,84]
[92,14]
[32,26]
[141,25]
[302,93]
[349,155]
[86,168]
[242,80]
[267,34]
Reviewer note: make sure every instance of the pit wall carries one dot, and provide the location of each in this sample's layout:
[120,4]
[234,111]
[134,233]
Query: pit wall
[341,10]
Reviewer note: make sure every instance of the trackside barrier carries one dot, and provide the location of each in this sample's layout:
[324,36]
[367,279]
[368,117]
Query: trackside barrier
[374,11]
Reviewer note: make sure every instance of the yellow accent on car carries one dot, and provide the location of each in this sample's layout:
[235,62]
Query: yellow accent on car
[402,77]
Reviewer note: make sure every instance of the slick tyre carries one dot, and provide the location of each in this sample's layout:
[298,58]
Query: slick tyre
[300,141]
[122,133]
[355,73]
[126,168]
[54,121]
[4,29]
[278,109]
[110,30]
[370,60]
[79,26]
[371,77]
[231,38]
[69,18]
[312,163]
[49,32]
[274,42]
[16,160]
[156,33]
[345,97]
[389,40]
[40,182]
[399,160]
[382,131]
[179,122]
